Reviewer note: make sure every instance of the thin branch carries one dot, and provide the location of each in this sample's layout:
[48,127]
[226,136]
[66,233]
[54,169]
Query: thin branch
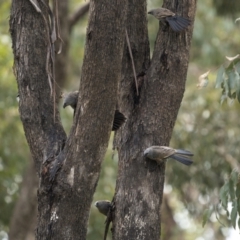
[133,65]
[78,14]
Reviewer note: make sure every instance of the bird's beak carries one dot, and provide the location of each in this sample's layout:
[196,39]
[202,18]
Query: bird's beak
[150,12]
[64,105]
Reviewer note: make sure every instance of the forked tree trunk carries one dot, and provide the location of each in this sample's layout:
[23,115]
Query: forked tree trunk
[24,217]
[64,201]
[151,118]
[65,197]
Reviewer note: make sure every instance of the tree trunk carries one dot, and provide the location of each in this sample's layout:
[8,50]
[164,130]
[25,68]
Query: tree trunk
[170,229]
[24,218]
[69,167]
[64,200]
[151,118]
[33,68]
[23,221]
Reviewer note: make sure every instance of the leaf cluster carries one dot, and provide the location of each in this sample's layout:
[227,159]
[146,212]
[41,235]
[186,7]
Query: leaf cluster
[230,195]
[229,80]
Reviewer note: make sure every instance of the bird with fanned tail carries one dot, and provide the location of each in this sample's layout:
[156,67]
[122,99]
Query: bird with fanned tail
[161,153]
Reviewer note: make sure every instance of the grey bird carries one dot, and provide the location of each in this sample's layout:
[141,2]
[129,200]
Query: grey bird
[161,153]
[103,206]
[72,98]
[177,23]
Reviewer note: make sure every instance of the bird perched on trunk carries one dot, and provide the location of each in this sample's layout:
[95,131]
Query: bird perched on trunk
[176,22]
[103,206]
[161,153]
[106,208]
[72,98]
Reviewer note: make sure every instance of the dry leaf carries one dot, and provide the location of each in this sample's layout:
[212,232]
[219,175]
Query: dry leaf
[238,19]
[203,80]
[232,58]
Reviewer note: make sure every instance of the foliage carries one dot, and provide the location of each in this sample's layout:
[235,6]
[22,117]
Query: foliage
[229,196]
[226,7]
[211,132]
[229,80]
[230,193]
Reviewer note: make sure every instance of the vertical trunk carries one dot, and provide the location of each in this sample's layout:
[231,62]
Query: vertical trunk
[65,216]
[23,221]
[24,218]
[170,229]
[32,48]
[65,199]
[151,118]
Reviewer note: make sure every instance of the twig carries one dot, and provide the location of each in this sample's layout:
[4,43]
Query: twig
[73,19]
[133,65]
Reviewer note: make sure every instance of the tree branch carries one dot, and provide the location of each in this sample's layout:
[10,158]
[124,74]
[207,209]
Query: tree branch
[79,13]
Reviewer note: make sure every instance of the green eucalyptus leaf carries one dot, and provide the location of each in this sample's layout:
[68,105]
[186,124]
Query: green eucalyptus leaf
[231,190]
[238,190]
[237,79]
[226,86]
[234,176]
[231,80]
[206,215]
[234,214]
[237,66]
[220,77]
[224,195]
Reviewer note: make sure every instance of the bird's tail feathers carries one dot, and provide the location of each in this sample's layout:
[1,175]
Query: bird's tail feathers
[119,119]
[184,152]
[182,159]
[178,23]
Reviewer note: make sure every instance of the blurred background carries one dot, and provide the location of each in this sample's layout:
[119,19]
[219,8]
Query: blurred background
[209,129]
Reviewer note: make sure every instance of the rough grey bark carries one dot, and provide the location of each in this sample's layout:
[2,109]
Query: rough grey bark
[151,118]
[64,200]
[44,133]
[24,218]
